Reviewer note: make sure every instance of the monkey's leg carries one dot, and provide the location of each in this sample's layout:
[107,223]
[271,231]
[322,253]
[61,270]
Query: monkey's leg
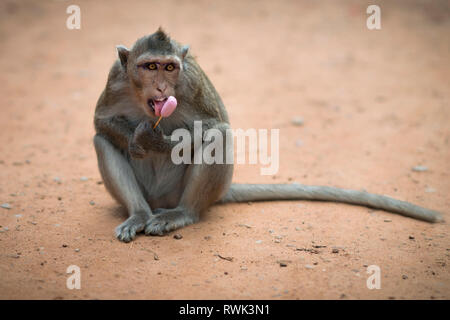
[121,182]
[204,184]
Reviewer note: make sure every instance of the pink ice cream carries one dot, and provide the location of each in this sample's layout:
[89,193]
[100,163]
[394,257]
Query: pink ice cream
[165,109]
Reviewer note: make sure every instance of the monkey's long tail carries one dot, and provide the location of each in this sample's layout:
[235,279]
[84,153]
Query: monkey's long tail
[268,192]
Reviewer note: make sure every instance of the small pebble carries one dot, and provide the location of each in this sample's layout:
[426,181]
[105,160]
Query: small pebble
[404,277]
[297,121]
[92,203]
[177,236]
[411,237]
[387,220]
[308,266]
[18,215]
[6,206]
[258,241]
[64,245]
[84,178]
[77,250]
[283,263]
[335,250]
[420,168]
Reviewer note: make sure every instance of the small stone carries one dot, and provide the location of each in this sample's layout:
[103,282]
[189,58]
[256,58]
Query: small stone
[297,229]
[283,263]
[177,236]
[18,215]
[64,245]
[308,266]
[258,241]
[404,277]
[420,168]
[335,250]
[92,203]
[411,238]
[6,206]
[387,220]
[430,190]
[77,250]
[84,178]
[297,121]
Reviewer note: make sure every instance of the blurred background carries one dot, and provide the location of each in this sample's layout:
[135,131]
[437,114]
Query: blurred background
[356,108]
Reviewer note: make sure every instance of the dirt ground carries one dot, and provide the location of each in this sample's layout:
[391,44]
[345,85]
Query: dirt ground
[374,105]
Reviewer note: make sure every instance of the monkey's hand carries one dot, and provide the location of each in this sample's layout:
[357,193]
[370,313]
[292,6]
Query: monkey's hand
[146,139]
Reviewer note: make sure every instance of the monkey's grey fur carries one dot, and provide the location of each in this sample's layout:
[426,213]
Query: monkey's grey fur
[135,163]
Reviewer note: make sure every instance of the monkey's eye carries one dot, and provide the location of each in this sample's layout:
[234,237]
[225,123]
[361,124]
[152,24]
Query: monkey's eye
[152,66]
[170,67]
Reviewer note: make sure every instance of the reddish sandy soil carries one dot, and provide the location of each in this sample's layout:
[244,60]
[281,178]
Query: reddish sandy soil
[374,104]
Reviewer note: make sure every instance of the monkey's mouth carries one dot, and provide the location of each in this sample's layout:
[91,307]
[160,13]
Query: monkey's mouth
[156,105]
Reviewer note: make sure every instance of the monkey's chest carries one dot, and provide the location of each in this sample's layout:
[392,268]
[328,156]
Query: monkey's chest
[160,179]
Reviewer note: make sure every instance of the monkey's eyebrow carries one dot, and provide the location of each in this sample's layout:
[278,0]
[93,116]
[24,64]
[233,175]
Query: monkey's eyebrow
[158,59]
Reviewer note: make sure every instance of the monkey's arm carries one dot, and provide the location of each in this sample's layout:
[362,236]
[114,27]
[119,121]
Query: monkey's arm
[117,129]
[146,139]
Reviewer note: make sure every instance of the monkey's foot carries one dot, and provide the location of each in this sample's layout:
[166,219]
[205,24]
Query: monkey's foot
[127,230]
[166,220]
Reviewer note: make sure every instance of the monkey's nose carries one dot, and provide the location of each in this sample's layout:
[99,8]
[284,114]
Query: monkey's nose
[161,88]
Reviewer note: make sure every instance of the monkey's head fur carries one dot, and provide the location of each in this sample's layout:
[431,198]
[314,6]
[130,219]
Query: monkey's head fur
[154,66]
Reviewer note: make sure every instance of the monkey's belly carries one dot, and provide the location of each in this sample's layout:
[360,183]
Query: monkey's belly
[160,180]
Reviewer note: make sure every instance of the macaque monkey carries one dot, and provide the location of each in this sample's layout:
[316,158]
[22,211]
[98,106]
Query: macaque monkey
[135,160]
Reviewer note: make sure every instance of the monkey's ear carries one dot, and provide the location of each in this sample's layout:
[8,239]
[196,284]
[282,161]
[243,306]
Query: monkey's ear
[184,51]
[123,54]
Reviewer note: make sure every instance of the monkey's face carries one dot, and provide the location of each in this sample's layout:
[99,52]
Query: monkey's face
[155,79]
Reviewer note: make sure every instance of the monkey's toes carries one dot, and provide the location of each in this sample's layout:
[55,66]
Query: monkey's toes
[167,221]
[127,230]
